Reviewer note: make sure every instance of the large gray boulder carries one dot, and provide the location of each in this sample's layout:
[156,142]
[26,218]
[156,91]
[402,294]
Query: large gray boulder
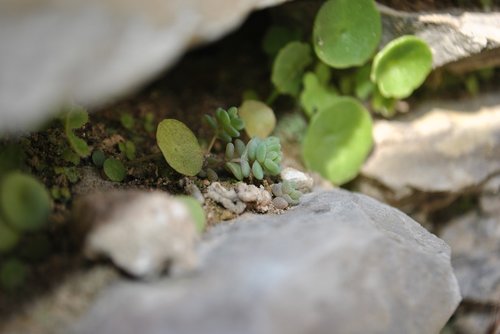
[338,263]
[89,51]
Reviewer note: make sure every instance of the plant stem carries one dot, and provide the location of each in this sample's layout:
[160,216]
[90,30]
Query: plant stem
[212,142]
[274,94]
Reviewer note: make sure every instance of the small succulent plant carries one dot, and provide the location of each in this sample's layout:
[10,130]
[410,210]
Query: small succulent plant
[226,124]
[258,158]
[288,191]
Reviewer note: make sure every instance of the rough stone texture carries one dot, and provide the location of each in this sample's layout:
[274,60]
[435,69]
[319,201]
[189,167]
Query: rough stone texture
[141,232]
[338,262]
[475,241]
[439,147]
[56,51]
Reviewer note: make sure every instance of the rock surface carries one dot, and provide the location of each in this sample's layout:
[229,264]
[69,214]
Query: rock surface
[338,261]
[141,232]
[54,51]
[439,147]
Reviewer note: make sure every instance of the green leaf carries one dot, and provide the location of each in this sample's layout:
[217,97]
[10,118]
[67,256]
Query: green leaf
[346,33]
[127,121]
[315,96]
[196,211]
[323,72]
[76,117]
[98,158]
[386,106]
[338,140]
[8,238]
[114,170]
[179,147]
[258,117]
[363,86]
[25,202]
[402,66]
[288,67]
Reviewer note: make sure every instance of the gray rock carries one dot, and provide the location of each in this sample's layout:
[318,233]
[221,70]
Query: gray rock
[339,262]
[475,242]
[440,147]
[90,51]
[141,232]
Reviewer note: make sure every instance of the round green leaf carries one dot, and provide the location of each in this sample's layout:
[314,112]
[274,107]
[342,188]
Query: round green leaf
[346,33]
[315,95]
[25,202]
[114,169]
[8,238]
[258,117]
[402,66]
[338,140]
[196,211]
[288,67]
[179,147]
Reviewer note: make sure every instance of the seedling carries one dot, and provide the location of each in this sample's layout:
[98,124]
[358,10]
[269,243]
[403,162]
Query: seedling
[316,96]
[127,121]
[226,124]
[180,147]
[25,202]
[127,148]
[114,170]
[75,118]
[288,191]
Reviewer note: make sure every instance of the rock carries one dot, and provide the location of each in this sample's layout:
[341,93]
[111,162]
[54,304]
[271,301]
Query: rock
[440,147]
[303,181]
[141,232]
[97,49]
[280,203]
[475,242]
[259,197]
[228,198]
[338,262]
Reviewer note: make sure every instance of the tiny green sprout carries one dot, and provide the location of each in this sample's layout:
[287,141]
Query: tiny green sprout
[346,33]
[8,237]
[196,211]
[149,122]
[127,121]
[289,66]
[258,117]
[24,201]
[338,140]
[316,96]
[128,148]
[402,66]
[12,274]
[385,106]
[71,173]
[98,158]
[226,124]
[76,117]
[114,170]
[179,147]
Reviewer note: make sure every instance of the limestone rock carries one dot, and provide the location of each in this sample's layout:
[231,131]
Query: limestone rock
[475,241]
[89,51]
[440,147]
[140,232]
[338,261]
